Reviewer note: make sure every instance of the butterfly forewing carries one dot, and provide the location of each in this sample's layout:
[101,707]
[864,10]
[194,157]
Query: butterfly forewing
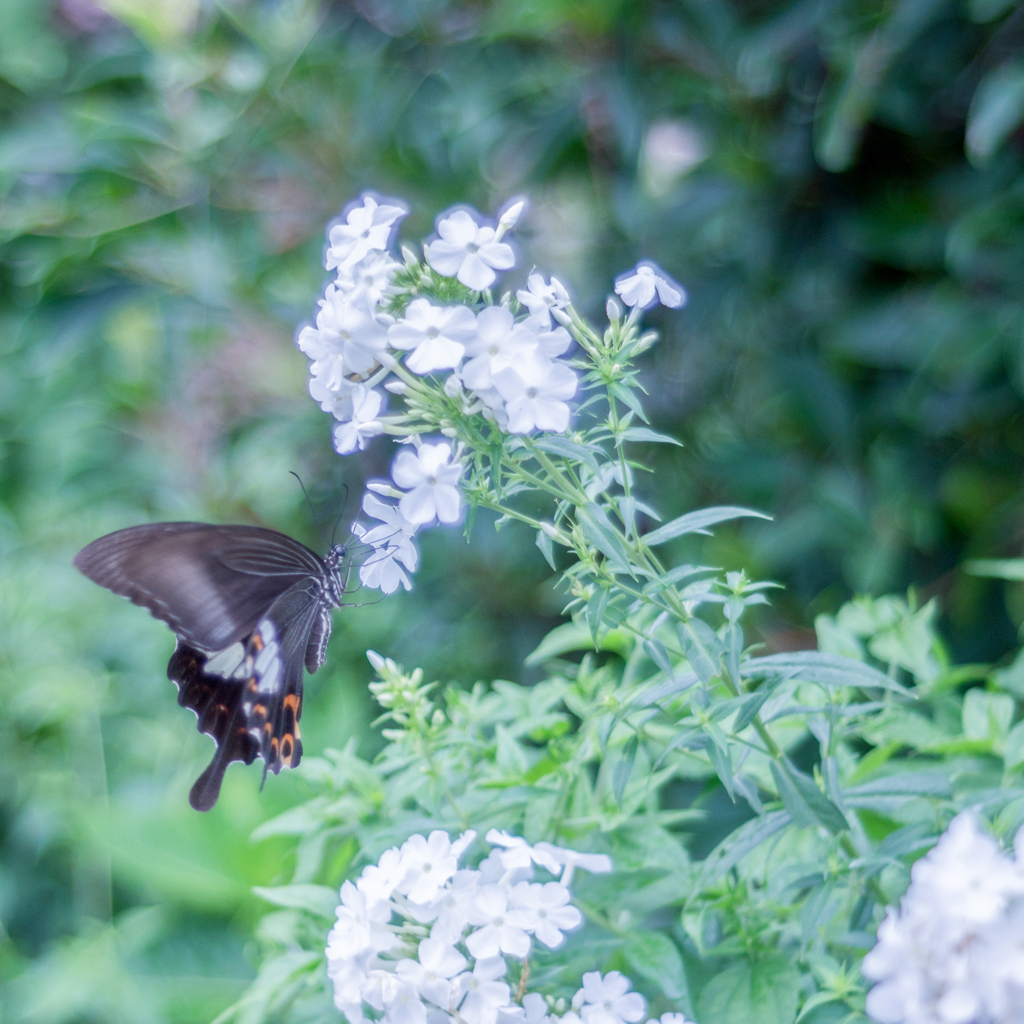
[250,606]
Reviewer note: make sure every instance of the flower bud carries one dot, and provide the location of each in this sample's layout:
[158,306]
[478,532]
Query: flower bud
[449,432]
[453,386]
[613,309]
[562,317]
[375,660]
[409,256]
[645,342]
[396,387]
[512,214]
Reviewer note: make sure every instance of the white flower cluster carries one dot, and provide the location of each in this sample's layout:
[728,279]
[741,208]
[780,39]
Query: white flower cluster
[418,939]
[506,369]
[954,952]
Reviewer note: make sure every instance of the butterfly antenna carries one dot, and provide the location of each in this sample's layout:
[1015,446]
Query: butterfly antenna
[323,536]
[341,514]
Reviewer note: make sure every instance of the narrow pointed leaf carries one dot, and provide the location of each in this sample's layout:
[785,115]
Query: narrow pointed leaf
[694,522]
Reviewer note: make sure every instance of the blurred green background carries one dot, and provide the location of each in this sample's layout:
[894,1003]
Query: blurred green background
[837,183]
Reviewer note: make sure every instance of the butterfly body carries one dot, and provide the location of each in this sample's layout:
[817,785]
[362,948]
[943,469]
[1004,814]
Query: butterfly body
[250,607]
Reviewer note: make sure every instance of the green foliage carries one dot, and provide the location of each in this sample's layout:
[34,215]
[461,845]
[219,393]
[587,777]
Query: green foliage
[849,362]
[603,756]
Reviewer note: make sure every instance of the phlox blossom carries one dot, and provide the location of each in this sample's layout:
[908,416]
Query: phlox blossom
[483,994]
[503,930]
[548,908]
[364,422]
[499,343]
[438,335]
[366,228]
[608,1000]
[540,297]
[468,251]
[640,286]
[436,964]
[536,393]
[431,478]
[428,863]
[392,544]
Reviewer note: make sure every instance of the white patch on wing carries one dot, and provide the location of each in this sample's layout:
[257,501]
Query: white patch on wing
[269,678]
[265,657]
[226,663]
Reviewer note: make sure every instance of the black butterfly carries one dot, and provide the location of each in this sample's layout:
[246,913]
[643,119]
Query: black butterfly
[249,607]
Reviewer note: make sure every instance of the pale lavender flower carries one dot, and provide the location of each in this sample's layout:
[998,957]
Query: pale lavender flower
[431,477]
[639,287]
[438,335]
[468,251]
[536,393]
[366,228]
[364,422]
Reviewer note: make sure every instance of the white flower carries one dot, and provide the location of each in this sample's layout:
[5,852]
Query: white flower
[450,911]
[518,853]
[428,863]
[552,343]
[670,1018]
[378,880]
[484,994]
[438,335]
[406,1007]
[367,227]
[468,251]
[608,1000]
[639,286]
[547,905]
[392,544]
[358,927]
[347,975]
[366,282]
[954,952]
[381,988]
[336,401]
[535,1008]
[595,863]
[431,479]
[540,298]
[503,929]
[347,339]
[364,422]
[438,963]
[536,393]
[499,343]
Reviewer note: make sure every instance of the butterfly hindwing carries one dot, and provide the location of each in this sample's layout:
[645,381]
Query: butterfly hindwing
[217,702]
[250,607]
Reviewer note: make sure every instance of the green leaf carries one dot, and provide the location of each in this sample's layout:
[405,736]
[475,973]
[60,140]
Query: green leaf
[804,801]
[317,899]
[575,636]
[998,568]
[698,522]
[547,548]
[595,612]
[624,767]
[558,444]
[626,396]
[654,956]
[720,758]
[599,530]
[646,434]
[702,648]
[763,991]
[1013,751]
[987,716]
[996,112]
[749,707]
[655,650]
[748,837]
[822,668]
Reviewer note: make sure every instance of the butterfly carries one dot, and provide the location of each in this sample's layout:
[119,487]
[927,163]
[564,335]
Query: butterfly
[249,606]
